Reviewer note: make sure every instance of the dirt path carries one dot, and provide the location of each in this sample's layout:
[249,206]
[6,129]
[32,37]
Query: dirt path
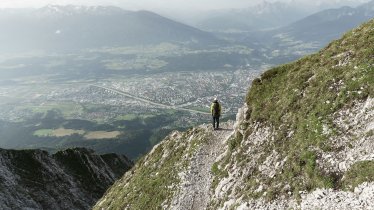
[196,182]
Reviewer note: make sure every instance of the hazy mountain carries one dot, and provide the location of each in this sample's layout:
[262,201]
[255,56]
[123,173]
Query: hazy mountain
[77,27]
[262,16]
[330,24]
[265,15]
[310,33]
[70,179]
[303,140]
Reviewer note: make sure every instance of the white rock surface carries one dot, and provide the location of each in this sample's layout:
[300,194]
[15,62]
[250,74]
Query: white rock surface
[352,144]
[194,190]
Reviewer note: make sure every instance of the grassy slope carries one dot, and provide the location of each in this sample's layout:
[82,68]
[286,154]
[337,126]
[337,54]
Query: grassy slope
[278,96]
[154,178]
[301,97]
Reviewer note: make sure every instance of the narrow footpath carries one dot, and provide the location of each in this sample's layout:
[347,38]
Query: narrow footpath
[196,182]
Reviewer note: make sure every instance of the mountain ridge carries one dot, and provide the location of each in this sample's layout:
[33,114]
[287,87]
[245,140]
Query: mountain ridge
[259,17]
[267,15]
[303,136]
[68,28]
[342,15]
[69,179]
[311,33]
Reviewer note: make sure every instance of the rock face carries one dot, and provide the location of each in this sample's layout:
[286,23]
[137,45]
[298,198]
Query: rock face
[303,140]
[70,179]
[266,165]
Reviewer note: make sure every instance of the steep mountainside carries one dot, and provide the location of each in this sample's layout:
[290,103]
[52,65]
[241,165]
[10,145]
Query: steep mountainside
[304,139]
[306,126]
[70,179]
[77,27]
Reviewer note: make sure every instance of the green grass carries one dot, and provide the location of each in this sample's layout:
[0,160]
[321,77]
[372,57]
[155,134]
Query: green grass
[43,132]
[94,135]
[68,110]
[155,176]
[301,97]
[60,132]
[201,109]
[360,172]
[127,117]
[88,135]
[218,174]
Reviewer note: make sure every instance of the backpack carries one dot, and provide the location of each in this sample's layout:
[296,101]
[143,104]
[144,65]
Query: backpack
[216,109]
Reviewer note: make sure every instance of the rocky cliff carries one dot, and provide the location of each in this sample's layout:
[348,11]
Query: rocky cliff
[70,179]
[303,140]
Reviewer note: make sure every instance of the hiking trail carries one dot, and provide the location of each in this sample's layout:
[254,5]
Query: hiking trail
[196,181]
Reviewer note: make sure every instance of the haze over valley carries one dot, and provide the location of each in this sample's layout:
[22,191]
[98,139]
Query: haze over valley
[109,104]
[117,80]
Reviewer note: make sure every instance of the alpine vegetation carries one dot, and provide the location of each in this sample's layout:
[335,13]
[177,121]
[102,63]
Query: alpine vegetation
[303,140]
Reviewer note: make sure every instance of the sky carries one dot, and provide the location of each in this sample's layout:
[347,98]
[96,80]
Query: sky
[154,4]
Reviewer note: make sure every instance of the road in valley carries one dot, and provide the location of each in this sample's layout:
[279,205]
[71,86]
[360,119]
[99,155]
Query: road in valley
[179,107]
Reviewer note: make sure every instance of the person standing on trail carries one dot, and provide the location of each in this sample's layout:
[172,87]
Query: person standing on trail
[215,109]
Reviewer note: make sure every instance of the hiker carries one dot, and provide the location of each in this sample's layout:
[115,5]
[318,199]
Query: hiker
[215,109]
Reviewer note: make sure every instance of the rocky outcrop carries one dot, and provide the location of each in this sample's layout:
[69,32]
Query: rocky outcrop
[69,179]
[353,141]
[305,134]
[352,144]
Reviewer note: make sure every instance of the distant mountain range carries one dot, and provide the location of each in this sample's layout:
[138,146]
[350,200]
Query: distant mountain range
[265,15]
[262,16]
[76,27]
[70,179]
[329,24]
[310,33]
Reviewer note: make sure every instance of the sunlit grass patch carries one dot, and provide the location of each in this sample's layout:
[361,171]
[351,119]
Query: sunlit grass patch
[60,132]
[102,135]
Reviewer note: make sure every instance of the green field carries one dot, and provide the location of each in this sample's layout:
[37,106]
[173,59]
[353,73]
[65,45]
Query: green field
[60,132]
[200,109]
[102,135]
[68,109]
